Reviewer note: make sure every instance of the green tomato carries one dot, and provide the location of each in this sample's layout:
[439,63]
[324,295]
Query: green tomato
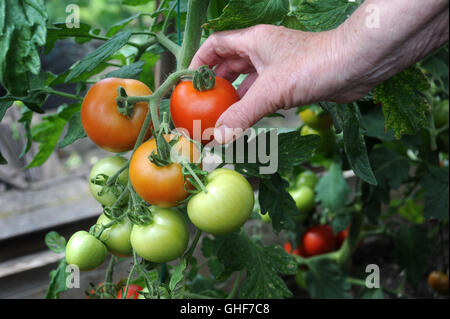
[265,218]
[117,237]
[307,178]
[108,166]
[226,206]
[304,199]
[327,143]
[164,239]
[85,251]
[300,278]
[441,114]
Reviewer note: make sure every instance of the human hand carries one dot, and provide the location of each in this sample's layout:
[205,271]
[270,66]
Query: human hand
[285,68]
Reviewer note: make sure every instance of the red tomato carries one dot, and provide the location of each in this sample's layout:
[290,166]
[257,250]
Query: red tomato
[163,186]
[299,251]
[341,237]
[319,240]
[103,123]
[187,105]
[132,291]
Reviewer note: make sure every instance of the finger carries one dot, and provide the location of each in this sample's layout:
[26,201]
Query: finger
[232,68]
[254,105]
[220,46]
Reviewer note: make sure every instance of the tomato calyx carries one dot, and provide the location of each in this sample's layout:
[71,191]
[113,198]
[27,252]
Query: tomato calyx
[204,79]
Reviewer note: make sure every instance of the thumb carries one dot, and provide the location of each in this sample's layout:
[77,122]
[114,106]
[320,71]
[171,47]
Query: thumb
[258,102]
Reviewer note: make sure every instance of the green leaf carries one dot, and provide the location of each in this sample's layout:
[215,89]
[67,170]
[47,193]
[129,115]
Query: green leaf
[55,242]
[99,55]
[25,119]
[437,65]
[354,143]
[120,25]
[74,132]
[373,124]
[47,132]
[177,275]
[390,168]
[58,279]
[436,187]
[292,149]
[3,160]
[322,15]
[131,71]
[292,22]
[277,202]
[22,33]
[332,190]
[61,31]
[240,14]
[325,281]
[262,264]
[403,106]
[4,106]
[135,2]
[411,251]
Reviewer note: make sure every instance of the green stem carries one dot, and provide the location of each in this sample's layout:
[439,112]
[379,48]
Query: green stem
[196,16]
[64,94]
[109,275]
[125,293]
[168,44]
[352,241]
[112,179]
[191,249]
[433,132]
[235,285]
[194,175]
[166,21]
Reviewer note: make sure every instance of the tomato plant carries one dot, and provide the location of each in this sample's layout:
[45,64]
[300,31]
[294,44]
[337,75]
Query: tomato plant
[132,292]
[104,124]
[319,240]
[98,177]
[188,104]
[164,239]
[85,251]
[169,185]
[116,237]
[378,164]
[316,119]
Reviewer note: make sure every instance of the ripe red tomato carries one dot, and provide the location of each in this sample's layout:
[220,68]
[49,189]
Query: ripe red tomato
[299,251]
[187,105]
[103,123]
[319,240]
[439,282]
[341,237]
[163,186]
[132,291]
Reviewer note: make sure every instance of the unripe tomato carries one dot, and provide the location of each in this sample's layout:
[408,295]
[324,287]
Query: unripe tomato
[319,240]
[108,166]
[327,143]
[132,291]
[164,239]
[117,237]
[163,186]
[307,178]
[102,121]
[187,105]
[85,251]
[441,114]
[315,120]
[305,201]
[438,281]
[226,206]
[300,278]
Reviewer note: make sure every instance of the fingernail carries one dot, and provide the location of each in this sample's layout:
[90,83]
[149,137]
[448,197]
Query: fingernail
[223,134]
